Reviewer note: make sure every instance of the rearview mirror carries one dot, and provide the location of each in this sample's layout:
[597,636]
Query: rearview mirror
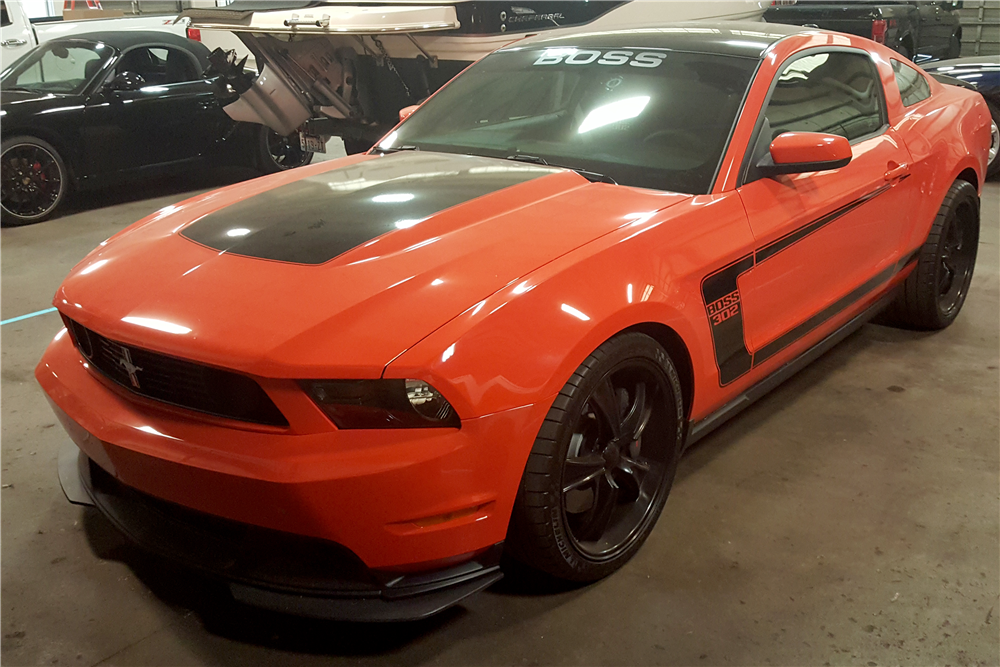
[802,152]
[126,81]
[406,112]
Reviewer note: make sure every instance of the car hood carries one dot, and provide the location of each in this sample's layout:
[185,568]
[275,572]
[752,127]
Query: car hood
[339,267]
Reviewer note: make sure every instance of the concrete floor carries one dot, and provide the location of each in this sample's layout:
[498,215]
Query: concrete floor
[852,517]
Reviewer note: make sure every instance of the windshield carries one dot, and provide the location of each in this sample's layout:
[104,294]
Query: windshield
[57,67]
[643,117]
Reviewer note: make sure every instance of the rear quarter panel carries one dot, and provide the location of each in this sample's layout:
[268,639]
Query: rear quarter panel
[947,136]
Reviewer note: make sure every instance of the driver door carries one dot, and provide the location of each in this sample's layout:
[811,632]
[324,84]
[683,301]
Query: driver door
[824,240]
[173,118]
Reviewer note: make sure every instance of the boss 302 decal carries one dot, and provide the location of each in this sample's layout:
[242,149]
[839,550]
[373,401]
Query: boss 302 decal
[723,306]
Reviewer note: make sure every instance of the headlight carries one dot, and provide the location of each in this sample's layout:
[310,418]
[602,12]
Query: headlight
[353,404]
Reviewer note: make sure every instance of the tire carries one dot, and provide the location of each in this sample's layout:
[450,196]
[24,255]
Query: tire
[904,49]
[993,166]
[932,295]
[277,153]
[33,180]
[354,145]
[954,46]
[587,501]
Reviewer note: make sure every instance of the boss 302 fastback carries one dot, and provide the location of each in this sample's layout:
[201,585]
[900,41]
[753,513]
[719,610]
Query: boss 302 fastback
[349,389]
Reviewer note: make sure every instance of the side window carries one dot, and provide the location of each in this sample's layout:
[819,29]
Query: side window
[159,65]
[4,16]
[912,85]
[836,92]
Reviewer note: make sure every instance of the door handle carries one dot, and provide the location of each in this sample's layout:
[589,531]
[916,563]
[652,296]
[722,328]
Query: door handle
[14,42]
[898,172]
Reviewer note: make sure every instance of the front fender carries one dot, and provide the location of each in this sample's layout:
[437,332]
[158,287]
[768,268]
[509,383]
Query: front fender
[521,345]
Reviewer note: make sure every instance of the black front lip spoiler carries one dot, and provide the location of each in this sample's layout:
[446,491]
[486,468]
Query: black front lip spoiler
[272,570]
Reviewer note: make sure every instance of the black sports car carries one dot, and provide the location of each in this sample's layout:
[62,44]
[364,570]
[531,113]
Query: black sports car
[98,108]
[983,74]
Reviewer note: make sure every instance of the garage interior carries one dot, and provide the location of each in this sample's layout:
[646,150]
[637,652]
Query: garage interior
[849,517]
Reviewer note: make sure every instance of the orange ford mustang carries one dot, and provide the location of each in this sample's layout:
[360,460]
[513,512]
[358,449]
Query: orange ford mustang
[349,389]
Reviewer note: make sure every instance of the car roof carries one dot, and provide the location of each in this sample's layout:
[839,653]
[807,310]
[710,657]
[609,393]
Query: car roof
[126,39]
[748,39]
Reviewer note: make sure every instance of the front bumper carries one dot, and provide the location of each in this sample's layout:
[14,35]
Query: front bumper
[271,569]
[401,501]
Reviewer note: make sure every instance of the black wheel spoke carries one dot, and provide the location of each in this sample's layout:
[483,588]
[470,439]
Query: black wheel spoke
[606,403]
[581,470]
[603,509]
[637,414]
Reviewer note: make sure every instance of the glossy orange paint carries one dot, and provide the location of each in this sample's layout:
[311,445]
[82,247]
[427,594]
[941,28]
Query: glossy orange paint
[809,147]
[495,302]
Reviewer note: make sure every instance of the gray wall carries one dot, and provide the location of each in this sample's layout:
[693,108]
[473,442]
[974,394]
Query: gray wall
[980,28]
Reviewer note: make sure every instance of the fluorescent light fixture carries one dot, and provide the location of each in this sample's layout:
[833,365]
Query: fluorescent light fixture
[613,112]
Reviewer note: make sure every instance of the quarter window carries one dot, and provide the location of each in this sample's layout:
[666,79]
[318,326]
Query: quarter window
[912,85]
[4,16]
[836,93]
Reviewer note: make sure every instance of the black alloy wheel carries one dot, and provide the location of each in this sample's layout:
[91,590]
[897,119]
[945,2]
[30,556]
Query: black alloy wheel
[957,258]
[602,464]
[278,153]
[933,294]
[609,478]
[33,180]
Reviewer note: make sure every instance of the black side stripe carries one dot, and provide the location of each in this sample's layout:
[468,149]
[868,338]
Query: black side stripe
[776,246]
[723,305]
[786,339]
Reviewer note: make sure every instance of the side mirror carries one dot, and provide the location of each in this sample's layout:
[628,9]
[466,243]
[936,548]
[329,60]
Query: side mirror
[802,152]
[126,81]
[406,112]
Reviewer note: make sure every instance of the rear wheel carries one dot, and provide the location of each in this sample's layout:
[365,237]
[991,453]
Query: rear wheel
[33,180]
[932,295]
[603,463]
[277,153]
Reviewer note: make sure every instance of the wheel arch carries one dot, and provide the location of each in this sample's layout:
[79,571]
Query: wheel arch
[678,352]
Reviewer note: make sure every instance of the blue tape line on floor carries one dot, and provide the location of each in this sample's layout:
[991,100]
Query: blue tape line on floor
[24,317]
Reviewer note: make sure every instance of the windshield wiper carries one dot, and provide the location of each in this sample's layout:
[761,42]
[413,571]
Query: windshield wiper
[396,149]
[591,176]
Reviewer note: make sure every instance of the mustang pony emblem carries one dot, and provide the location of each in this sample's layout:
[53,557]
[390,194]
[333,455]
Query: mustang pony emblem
[125,361]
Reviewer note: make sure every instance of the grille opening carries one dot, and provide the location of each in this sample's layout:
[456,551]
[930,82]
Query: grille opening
[181,383]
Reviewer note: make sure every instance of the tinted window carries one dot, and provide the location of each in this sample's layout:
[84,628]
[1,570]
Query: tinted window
[646,118]
[837,93]
[4,16]
[57,67]
[913,86]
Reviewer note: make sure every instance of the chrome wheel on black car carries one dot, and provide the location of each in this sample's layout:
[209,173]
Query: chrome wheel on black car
[33,180]
[602,464]
[278,153]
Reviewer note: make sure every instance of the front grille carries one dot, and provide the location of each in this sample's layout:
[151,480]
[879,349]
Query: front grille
[175,381]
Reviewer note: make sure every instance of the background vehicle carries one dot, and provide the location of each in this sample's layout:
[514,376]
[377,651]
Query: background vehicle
[84,111]
[347,69]
[19,34]
[918,30]
[983,74]
[348,360]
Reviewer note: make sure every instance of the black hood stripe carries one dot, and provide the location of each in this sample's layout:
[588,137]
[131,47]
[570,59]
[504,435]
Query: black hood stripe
[317,218]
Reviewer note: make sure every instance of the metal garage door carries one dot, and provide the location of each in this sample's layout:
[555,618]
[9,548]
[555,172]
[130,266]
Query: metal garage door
[980,28]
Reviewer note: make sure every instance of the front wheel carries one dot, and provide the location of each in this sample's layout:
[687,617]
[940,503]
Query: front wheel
[932,295]
[603,463]
[33,180]
[277,153]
